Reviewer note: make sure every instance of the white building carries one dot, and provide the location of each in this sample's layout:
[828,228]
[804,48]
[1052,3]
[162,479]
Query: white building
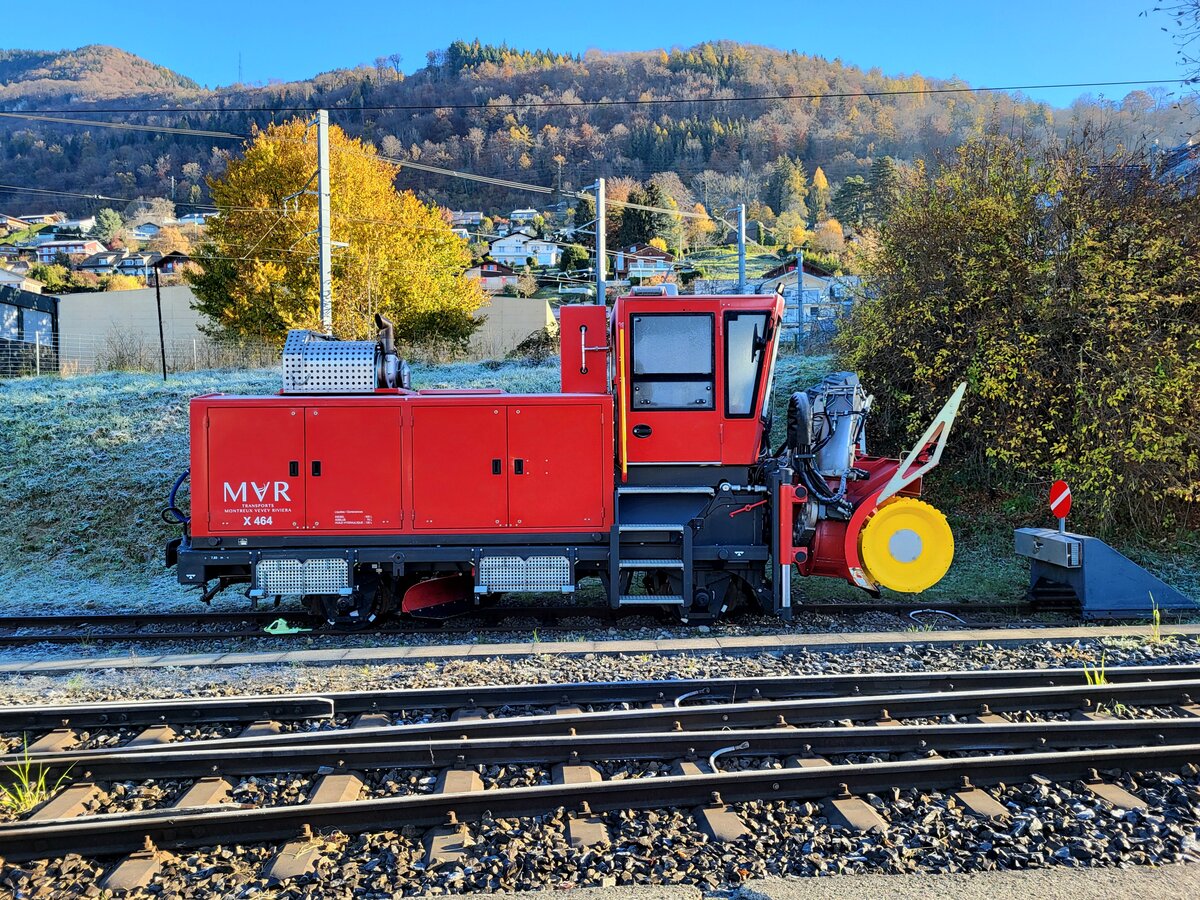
[523,215]
[77,247]
[516,248]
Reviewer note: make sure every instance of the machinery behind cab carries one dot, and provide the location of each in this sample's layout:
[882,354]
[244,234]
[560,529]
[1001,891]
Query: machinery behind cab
[650,470]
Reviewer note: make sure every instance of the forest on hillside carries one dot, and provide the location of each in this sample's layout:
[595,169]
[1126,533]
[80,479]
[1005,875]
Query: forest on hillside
[553,119]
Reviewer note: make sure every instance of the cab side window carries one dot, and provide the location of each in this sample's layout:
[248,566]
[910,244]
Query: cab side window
[745,352]
[673,361]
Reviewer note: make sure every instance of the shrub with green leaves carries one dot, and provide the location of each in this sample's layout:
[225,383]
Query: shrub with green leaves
[1064,286]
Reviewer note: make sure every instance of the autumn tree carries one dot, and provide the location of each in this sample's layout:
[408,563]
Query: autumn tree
[1063,285]
[259,276]
[787,187]
[169,240]
[699,226]
[820,194]
[828,237]
[119,282]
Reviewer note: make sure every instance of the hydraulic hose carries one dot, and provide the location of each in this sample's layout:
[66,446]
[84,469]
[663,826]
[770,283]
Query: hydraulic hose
[172,514]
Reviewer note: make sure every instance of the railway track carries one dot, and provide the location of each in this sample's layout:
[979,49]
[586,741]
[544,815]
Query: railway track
[146,628]
[429,758]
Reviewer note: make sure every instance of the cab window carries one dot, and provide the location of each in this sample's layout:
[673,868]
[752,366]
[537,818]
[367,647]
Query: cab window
[745,351]
[673,364]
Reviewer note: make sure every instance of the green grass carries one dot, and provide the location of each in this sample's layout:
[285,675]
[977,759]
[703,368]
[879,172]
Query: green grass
[722,262]
[29,786]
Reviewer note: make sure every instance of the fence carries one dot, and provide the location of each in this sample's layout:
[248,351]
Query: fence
[129,352]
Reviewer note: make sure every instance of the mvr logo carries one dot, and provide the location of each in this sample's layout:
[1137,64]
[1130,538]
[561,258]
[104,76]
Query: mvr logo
[238,494]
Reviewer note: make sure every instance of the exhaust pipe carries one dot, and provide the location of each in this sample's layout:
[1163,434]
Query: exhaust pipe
[393,371]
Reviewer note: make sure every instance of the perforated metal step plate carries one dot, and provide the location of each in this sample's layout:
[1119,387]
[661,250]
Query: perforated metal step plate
[287,577]
[535,574]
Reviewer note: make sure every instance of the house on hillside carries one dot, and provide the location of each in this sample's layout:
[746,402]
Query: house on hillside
[11,224]
[139,265]
[47,252]
[523,215]
[643,261]
[462,233]
[516,248]
[144,231]
[197,219]
[467,217]
[492,276]
[78,226]
[20,280]
[43,218]
[172,263]
[102,263]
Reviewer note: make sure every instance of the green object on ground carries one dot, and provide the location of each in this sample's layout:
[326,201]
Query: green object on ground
[280,626]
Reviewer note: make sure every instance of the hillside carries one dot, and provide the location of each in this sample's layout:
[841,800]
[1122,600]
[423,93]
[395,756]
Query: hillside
[90,73]
[534,120]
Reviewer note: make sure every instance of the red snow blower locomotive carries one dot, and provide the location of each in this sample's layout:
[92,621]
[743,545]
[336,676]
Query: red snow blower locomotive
[651,470]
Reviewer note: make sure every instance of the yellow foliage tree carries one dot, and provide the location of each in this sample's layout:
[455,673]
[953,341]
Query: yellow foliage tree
[829,237]
[820,195]
[120,282]
[259,273]
[659,243]
[169,239]
[699,227]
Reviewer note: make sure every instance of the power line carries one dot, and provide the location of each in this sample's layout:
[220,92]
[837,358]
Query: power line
[640,101]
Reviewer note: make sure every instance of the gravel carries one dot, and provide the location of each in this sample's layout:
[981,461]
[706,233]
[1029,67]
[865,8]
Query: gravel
[1050,825]
[1060,825]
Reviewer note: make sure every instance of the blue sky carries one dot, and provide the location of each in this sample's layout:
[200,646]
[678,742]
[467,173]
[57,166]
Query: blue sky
[994,42]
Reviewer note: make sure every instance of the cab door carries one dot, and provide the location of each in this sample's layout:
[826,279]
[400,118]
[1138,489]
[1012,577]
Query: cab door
[672,412]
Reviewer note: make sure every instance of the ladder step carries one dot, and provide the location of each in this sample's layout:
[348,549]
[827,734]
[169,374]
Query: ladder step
[651,564]
[650,526]
[666,489]
[651,600]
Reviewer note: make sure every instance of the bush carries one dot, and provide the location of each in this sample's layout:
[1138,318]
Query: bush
[1064,287]
[540,346]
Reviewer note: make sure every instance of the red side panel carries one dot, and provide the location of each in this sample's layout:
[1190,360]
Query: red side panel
[255,480]
[353,468]
[560,467]
[459,466]
[583,337]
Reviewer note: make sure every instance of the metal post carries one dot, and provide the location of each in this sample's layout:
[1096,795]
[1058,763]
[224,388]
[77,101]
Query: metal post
[742,248]
[800,320]
[37,352]
[162,343]
[601,248]
[323,219]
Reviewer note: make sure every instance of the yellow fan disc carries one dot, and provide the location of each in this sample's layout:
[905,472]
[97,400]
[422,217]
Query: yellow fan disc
[906,545]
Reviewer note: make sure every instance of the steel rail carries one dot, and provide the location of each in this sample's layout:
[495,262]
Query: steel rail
[753,714]
[172,829]
[284,707]
[108,713]
[551,615]
[334,756]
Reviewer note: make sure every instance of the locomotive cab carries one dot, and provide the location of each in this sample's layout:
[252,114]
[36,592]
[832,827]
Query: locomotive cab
[693,376]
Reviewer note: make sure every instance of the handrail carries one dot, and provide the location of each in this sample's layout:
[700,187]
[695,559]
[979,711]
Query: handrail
[624,441]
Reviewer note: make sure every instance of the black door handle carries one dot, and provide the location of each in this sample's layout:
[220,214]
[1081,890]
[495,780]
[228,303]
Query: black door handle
[316,468]
[518,467]
[642,431]
[294,468]
[497,467]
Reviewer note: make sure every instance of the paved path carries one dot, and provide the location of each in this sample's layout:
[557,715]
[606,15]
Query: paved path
[726,646]
[1060,883]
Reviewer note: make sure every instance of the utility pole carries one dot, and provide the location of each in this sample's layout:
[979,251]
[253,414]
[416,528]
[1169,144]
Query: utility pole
[742,248]
[601,249]
[327,285]
[162,343]
[323,228]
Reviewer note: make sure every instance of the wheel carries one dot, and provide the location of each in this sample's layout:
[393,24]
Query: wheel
[370,602]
